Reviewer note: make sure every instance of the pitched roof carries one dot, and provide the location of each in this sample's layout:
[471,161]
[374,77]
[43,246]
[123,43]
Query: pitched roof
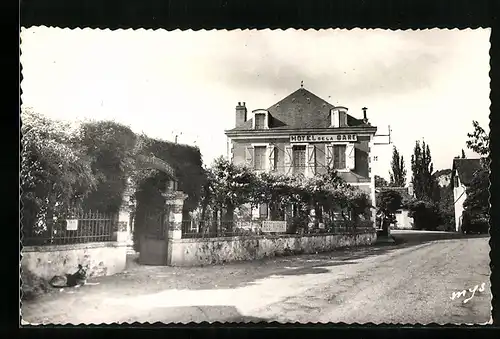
[466,169]
[439,173]
[301,109]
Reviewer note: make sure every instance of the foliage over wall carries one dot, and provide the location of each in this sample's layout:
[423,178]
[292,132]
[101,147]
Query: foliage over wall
[187,163]
[89,166]
[55,171]
[111,149]
[230,186]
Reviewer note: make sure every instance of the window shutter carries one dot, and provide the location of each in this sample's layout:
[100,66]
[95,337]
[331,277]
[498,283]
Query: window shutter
[311,160]
[343,119]
[342,151]
[249,156]
[271,151]
[288,159]
[329,156]
[335,119]
[350,156]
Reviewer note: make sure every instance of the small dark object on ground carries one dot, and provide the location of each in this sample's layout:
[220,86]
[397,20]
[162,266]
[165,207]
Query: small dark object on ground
[71,280]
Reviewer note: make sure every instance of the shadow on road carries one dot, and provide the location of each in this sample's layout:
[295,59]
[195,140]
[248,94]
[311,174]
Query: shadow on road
[420,237]
[405,239]
[199,314]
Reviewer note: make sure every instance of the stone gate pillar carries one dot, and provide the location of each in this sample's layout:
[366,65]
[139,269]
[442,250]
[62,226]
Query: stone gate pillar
[123,233]
[175,202]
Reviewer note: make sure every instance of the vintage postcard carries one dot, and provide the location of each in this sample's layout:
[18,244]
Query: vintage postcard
[311,176]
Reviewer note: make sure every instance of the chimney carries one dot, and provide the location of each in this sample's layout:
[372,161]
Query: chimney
[365,119]
[241,114]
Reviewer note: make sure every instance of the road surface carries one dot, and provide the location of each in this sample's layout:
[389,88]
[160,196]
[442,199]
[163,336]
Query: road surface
[410,282]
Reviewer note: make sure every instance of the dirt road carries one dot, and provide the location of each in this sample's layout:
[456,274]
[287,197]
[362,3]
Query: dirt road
[411,282]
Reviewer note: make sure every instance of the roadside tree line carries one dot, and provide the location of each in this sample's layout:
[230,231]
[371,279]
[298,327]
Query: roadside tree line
[432,206]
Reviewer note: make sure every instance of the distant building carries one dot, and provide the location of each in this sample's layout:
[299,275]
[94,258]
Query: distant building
[462,173]
[304,135]
[403,219]
[443,177]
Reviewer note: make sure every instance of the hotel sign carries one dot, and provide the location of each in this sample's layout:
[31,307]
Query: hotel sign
[323,137]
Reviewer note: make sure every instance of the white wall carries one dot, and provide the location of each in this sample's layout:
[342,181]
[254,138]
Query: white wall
[403,220]
[459,198]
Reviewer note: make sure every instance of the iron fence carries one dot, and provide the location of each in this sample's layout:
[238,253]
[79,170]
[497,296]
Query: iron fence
[75,227]
[213,229]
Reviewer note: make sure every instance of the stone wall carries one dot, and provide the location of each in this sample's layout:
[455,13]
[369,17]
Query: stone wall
[46,261]
[193,252]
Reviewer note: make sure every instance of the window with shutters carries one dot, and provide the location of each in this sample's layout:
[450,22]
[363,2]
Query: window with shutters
[260,157]
[299,159]
[339,153]
[260,120]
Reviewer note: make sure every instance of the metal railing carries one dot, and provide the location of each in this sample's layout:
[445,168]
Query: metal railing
[82,227]
[213,229]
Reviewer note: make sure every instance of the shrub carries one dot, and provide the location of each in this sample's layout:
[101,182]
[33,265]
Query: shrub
[425,214]
[475,223]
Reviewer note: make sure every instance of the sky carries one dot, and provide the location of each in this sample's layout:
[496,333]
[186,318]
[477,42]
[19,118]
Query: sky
[427,85]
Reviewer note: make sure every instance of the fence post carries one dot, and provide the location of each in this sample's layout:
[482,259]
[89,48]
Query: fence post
[123,232]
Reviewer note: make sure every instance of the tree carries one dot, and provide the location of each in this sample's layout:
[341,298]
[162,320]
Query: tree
[424,183]
[476,204]
[231,187]
[380,182]
[446,208]
[389,201]
[398,175]
[55,173]
[479,140]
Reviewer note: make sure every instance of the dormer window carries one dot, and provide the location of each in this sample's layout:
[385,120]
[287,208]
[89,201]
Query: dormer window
[335,123]
[338,116]
[260,119]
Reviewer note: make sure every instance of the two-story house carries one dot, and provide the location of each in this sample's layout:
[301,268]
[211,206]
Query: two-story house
[304,134]
[462,173]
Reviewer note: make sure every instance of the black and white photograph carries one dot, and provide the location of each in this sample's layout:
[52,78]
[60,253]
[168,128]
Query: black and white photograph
[237,176]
